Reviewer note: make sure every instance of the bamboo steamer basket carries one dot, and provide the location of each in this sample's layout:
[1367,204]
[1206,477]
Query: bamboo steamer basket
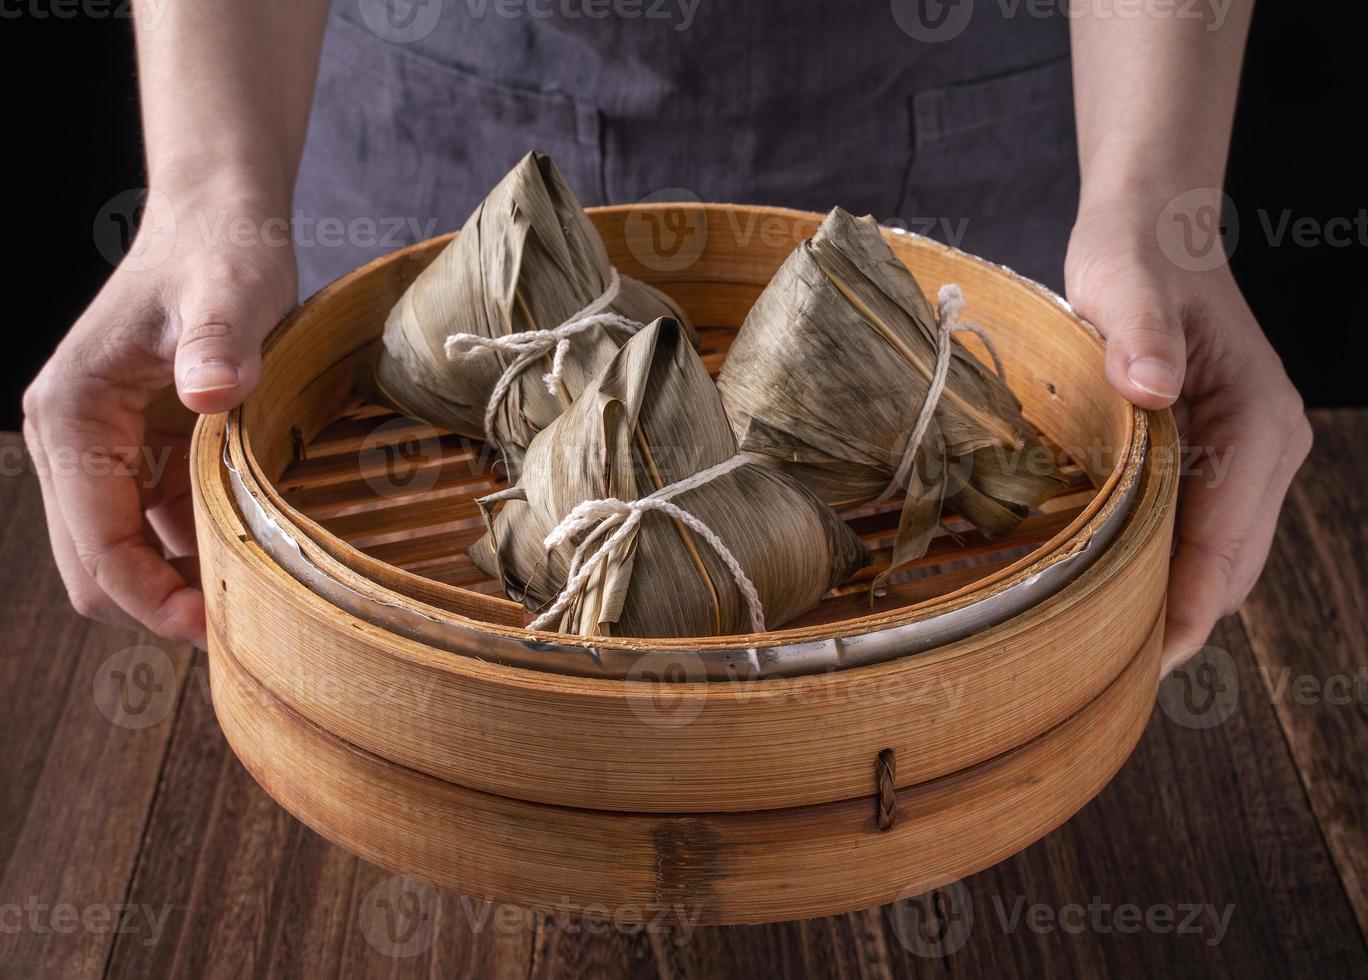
[379,687]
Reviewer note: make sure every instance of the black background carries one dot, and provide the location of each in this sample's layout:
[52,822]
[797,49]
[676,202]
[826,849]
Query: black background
[73,143]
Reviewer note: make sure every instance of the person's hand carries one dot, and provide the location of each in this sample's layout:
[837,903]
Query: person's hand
[1178,330]
[204,281]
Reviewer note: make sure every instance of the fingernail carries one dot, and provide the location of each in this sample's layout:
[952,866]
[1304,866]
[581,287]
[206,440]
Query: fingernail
[1154,376]
[210,376]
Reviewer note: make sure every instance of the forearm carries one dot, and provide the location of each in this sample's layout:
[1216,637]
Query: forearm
[1155,94]
[226,87]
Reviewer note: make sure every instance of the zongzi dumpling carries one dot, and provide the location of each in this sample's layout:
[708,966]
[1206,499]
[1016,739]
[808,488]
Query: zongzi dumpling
[497,336]
[637,498]
[828,376]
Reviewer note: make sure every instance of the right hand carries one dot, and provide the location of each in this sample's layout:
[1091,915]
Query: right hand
[184,314]
[1175,332]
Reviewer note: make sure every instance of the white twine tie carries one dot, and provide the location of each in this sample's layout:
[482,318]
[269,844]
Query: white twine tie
[950,301]
[530,345]
[621,517]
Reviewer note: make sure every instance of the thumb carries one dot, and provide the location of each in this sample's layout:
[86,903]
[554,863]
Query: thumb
[1146,349]
[218,353]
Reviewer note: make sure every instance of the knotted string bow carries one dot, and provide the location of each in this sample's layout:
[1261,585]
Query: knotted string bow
[530,345]
[621,517]
[950,301]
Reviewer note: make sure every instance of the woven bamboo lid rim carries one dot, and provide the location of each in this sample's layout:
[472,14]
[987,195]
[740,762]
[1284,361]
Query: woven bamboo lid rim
[523,648]
[770,652]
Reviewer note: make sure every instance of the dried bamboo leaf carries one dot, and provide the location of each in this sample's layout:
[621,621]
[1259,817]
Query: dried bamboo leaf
[920,514]
[827,377]
[527,259]
[653,418]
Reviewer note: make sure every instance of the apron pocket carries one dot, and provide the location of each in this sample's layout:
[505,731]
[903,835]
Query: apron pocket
[994,168]
[410,144]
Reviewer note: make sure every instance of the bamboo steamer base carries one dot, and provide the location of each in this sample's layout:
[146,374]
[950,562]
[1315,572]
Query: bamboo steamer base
[734,800]
[712,746]
[710,868]
[748,853]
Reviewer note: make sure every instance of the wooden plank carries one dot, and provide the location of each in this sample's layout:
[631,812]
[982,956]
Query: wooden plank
[316,477]
[85,725]
[1308,625]
[254,893]
[216,851]
[857,945]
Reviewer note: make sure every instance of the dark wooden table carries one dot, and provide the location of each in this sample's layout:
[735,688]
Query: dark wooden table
[1232,843]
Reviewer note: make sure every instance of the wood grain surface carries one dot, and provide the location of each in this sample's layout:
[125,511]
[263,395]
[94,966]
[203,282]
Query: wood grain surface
[1250,801]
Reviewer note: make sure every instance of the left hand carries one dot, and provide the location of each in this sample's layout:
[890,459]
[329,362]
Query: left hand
[1179,335]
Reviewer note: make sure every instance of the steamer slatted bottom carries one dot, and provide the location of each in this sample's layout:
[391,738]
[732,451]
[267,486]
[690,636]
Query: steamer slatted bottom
[380,687]
[402,492]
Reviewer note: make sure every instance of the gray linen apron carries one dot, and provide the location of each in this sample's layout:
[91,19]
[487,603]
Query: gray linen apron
[422,105]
